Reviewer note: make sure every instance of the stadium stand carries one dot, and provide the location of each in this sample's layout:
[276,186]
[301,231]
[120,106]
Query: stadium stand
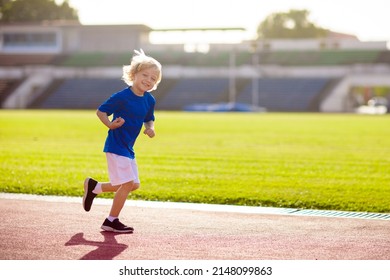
[175,93]
[80,93]
[275,94]
[66,65]
[285,94]
[188,91]
[384,57]
[164,87]
[6,88]
[87,93]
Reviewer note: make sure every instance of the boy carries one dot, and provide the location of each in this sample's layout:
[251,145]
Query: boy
[131,108]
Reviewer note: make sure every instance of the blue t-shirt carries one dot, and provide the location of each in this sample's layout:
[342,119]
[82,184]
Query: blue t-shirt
[135,110]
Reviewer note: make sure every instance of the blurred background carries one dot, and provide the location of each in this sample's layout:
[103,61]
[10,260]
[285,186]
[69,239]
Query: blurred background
[306,56]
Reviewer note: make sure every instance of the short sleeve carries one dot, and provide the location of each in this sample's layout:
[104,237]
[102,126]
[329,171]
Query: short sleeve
[150,114]
[110,105]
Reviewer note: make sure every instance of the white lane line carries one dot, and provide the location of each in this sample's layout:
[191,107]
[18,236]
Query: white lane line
[206,207]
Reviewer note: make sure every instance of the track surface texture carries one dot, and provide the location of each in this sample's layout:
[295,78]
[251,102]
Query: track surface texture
[62,230]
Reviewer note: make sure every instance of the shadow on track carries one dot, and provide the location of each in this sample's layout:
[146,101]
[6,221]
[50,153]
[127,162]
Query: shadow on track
[106,250]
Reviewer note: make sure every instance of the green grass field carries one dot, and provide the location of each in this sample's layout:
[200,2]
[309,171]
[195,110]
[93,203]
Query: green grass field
[320,161]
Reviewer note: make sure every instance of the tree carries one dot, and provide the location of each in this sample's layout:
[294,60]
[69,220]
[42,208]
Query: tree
[293,24]
[35,11]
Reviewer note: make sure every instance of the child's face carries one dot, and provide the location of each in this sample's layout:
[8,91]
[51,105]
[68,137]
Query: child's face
[145,80]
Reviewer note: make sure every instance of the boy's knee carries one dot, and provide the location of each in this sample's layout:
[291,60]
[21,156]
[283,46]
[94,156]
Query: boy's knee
[135,186]
[130,186]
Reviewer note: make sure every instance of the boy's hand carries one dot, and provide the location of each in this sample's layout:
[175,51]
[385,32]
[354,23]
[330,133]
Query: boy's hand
[150,132]
[118,122]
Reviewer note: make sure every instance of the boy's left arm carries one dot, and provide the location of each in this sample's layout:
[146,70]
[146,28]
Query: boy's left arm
[149,129]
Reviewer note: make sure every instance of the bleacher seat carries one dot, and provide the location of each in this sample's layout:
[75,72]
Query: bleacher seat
[188,91]
[284,94]
[6,87]
[276,94]
[82,93]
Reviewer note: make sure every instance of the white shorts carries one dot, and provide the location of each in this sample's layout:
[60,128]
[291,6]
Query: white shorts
[121,169]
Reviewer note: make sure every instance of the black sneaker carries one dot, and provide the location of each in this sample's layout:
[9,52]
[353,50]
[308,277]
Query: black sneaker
[116,226]
[89,186]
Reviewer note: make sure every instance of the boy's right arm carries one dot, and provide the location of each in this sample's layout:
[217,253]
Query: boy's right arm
[118,122]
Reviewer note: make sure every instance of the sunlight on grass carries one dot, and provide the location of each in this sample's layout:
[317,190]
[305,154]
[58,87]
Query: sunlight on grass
[285,160]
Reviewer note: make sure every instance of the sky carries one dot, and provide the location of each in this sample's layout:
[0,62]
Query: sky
[368,20]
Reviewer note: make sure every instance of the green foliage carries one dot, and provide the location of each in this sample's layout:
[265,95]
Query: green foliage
[93,59]
[321,161]
[320,57]
[293,24]
[36,11]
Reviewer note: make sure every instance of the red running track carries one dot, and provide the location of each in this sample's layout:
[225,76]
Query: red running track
[61,230]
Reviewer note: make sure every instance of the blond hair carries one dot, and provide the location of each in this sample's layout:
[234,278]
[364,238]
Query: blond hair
[139,62]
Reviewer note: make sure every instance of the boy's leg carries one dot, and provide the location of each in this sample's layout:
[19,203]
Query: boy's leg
[90,192]
[92,188]
[107,187]
[112,223]
[120,197]
[120,169]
